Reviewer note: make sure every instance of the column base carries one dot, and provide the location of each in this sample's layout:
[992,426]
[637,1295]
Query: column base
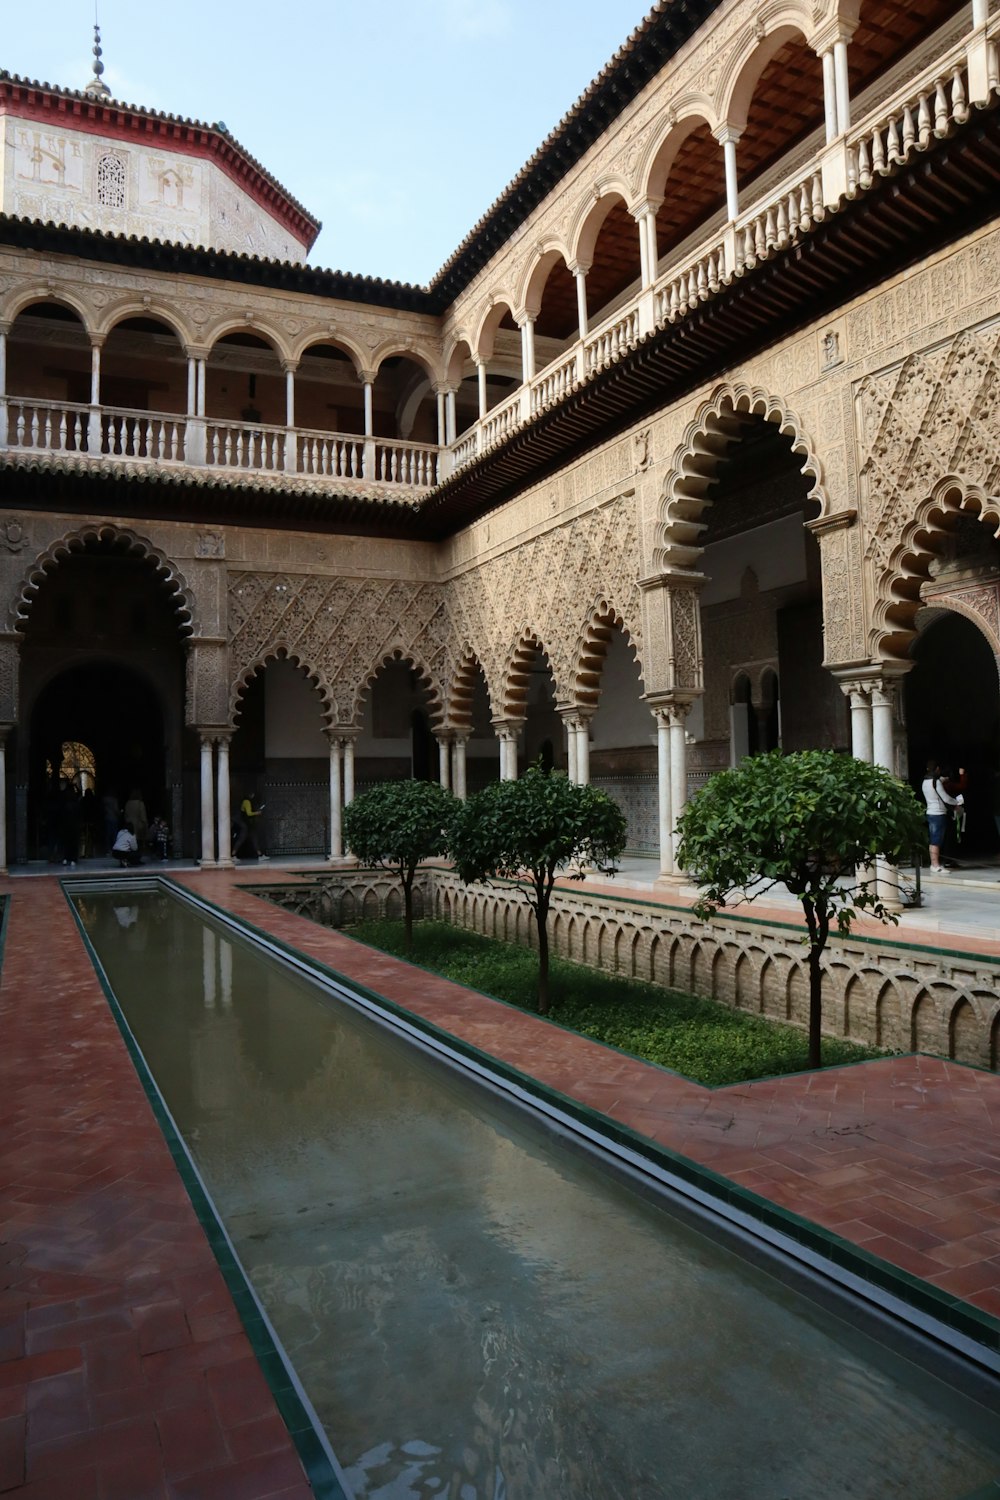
[340,861]
[673,878]
[225,864]
[207,864]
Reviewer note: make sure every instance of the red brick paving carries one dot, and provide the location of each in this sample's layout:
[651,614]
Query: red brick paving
[124,1372]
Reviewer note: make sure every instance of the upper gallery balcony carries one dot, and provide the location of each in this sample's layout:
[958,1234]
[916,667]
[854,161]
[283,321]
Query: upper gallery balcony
[805,124]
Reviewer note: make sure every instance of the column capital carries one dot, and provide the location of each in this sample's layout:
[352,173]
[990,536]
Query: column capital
[507,729]
[222,736]
[578,267]
[341,732]
[645,206]
[524,317]
[366,377]
[289,366]
[839,29]
[97,340]
[726,133]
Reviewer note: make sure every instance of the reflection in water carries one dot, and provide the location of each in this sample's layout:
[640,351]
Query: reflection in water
[477,1313]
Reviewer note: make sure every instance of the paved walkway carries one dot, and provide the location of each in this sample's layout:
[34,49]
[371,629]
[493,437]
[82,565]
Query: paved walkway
[124,1372]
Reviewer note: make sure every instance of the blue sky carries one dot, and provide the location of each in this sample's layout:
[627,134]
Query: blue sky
[396,122]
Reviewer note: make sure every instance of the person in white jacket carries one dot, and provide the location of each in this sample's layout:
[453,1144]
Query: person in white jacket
[938,802]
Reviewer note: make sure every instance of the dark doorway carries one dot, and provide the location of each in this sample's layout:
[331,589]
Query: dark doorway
[953,715]
[116,713]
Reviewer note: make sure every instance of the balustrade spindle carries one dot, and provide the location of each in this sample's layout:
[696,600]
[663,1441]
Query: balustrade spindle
[923,122]
[909,131]
[959,101]
[864,168]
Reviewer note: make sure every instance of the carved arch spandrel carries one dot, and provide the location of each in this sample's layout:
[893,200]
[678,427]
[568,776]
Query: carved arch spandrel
[710,433]
[130,544]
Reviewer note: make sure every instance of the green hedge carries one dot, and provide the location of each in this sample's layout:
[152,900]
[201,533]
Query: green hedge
[701,1039]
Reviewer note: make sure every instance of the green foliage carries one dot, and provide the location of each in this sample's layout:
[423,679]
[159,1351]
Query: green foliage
[701,1039]
[815,822]
[397,824]
[536,826]
[808,820]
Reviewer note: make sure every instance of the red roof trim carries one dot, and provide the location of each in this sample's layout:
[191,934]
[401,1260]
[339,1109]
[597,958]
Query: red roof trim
[125,122]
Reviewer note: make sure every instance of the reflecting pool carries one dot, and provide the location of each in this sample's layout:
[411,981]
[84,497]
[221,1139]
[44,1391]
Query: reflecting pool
[476,1310]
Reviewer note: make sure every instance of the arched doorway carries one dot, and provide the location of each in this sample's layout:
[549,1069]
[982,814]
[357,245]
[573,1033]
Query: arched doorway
[114,711]
[952,701]
[102,667]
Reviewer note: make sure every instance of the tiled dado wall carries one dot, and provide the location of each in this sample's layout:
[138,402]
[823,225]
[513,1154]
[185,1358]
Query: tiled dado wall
[878,991]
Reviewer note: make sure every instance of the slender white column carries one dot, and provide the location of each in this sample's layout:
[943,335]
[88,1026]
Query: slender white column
[3,803]
[528,350]
[652,248]
[830,95]
[336,824]
[583,752]
[442,420]
[459,768]
[644,272]
[95,374]
[481,373]
[678,772]
[508,752]
[207,803]
[290,396]
[450,417]
[572,768]
[862,745]
[369,408]
[728,137]
[444,762]
[581,301]
[348,772]
[225,818]
[512,756]
[202,377]
[663,782]
[980,13]
[883,754]
[3,362]
[843,88]
[192,396]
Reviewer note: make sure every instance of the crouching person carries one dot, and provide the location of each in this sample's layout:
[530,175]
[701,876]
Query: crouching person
[125,847]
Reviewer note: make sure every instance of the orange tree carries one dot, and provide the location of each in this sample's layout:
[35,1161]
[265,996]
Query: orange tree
[397,824]
[533,829]
[815,822]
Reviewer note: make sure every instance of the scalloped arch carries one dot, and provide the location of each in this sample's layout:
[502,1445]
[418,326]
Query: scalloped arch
[897,597]
[131,544]
[517,676]
[707,437]
[591,651]
[460,693]
[280,651]
[399,652]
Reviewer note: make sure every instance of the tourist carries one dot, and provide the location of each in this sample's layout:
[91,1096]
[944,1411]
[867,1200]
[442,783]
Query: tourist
[126,847]
[136,817]
[245,839]
[938,800]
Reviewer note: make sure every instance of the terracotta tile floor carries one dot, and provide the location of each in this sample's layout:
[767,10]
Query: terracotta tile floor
[124,1373]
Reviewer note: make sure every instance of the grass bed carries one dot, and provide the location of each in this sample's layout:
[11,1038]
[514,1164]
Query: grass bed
[701,1039]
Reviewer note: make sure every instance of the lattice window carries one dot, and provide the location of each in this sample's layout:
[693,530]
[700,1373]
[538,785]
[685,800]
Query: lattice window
[111,181]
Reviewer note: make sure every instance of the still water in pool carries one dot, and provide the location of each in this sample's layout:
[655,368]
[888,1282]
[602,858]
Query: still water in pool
[478,1312]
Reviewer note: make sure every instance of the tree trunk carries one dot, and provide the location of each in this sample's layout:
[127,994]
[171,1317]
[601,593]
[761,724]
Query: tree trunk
[542,921]
[408,910]
[815,1009]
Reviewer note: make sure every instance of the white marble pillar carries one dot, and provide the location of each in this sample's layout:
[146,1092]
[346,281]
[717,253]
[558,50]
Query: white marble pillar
[202,382]
[291,455]
[450,417]
[843,87]
[95,374]
[980,13]
[481,376]
[369,407]
[224,820]
[442,421]
[507,734]
[829,95]
[664,793]
[3,387]
[572,769]
[678,773]
[459,768]
[336,822]
[581,301]
[652,248]
[583,751]
[728,138]
[444,761]
[862,743]
[883,754]
[192,387]
[207,803]
[528,350]
[348,771]
[289,395]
